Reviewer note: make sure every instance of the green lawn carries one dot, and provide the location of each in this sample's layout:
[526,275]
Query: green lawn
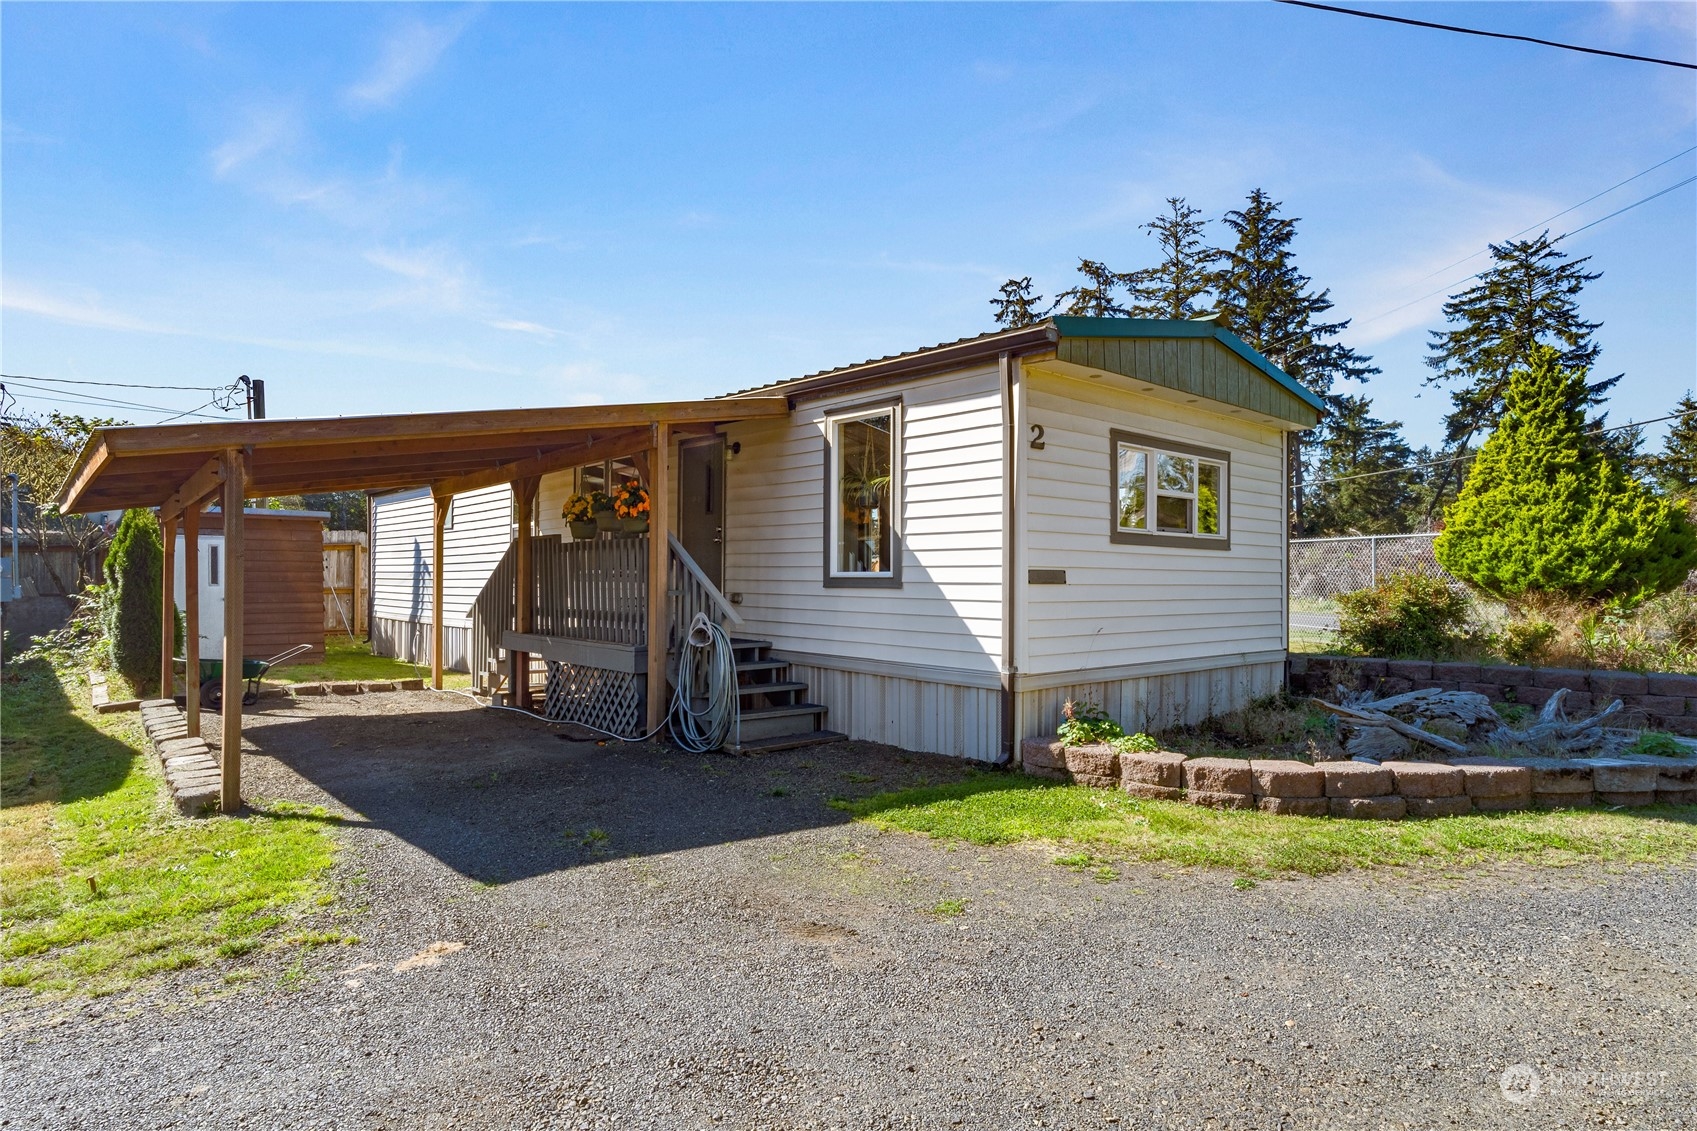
[102,884]
[1010,808]
[346,659]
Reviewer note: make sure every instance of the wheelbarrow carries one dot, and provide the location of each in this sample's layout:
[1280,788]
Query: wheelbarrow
[212,677]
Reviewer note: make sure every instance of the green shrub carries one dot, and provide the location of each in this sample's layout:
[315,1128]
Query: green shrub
[1405,615]
[1138,743]
[1086,724]
[1661,743]
[1526,641]
[135,563]
[1547,511]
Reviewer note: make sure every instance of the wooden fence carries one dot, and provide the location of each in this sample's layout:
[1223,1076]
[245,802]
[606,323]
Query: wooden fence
[347,573]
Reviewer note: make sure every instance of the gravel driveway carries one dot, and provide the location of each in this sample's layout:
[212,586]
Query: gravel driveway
[653,940]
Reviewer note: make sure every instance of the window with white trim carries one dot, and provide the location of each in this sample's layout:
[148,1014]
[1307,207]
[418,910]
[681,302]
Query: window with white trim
[1168,492]
[863,496]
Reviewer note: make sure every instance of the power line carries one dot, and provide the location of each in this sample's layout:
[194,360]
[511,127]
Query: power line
[1487,34]
[1564,212]
[1449,286]
[1474,454]
[80,400]
[1618,211]
[111,384]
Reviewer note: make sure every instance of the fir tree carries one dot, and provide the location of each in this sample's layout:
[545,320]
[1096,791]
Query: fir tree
[1528,297]
[1546,511]
[1263,299]
[1094,298]
[136,565]
[1017,306]
[1674,468]
[1364,485]
[1266,301]
[1185,273]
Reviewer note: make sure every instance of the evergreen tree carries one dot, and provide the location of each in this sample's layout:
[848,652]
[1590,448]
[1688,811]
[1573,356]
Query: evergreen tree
[1528,297]
[1363,484]
[1674,468]
[1017,306]
[1266,301]
[1094,298]
[1263,299]
[1546,511]
[135,563]
[1185,273]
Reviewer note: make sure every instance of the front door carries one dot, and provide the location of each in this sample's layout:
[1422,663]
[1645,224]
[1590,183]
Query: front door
[701,506]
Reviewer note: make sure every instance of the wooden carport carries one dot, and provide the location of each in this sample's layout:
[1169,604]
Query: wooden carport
[183,468]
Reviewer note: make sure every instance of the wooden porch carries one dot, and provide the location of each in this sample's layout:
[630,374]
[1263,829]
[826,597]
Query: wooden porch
[181,469]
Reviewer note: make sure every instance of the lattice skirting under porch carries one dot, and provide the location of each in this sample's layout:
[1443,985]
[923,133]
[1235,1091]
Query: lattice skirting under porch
[607,700]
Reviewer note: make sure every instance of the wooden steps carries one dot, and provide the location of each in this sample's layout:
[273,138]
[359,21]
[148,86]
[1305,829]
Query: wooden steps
[775,712]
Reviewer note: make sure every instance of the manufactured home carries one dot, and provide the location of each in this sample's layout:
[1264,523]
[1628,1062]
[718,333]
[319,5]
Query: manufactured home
[934,550]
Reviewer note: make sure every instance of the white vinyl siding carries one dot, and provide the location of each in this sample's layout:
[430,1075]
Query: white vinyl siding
[401,553]
[947,612]
[1126,605]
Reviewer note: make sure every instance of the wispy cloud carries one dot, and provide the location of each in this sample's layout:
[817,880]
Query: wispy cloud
[92,312]
[519,326]
[410,52]
[268,130]
[87,311]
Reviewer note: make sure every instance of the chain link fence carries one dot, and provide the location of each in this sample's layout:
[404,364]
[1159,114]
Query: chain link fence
[1324,567]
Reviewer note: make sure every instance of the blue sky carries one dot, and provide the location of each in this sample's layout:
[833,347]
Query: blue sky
[397,208]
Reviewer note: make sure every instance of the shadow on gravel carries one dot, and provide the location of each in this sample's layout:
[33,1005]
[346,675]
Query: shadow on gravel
[499,797]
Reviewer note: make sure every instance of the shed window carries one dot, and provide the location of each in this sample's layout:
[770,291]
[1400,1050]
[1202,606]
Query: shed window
[863,496]
[1168,493]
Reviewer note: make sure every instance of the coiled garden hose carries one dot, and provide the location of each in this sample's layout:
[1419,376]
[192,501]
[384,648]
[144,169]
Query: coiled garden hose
[707,672]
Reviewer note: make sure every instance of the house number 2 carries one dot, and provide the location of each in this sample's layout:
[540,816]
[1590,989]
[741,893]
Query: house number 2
[1037,444]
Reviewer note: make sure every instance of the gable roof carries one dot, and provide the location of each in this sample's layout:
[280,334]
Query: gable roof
[1093,343]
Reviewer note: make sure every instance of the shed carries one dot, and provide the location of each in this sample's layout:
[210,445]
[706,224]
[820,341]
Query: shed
[282,604]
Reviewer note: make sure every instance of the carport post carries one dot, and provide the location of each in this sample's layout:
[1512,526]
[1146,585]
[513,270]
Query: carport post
[167,608]
[235,569]
[438,526]
[659,557]
[524,590]
[191,617]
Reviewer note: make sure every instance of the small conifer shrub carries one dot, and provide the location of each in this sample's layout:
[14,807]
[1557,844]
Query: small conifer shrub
[135,564]
[1546,512]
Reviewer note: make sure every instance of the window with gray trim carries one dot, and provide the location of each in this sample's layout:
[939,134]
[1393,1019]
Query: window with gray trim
[863,496]
[1168,493]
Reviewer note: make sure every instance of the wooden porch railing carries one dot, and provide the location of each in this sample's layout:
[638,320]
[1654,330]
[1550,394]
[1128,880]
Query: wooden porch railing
[596,591]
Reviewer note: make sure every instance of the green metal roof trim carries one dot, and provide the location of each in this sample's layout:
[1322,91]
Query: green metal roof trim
[1071,326]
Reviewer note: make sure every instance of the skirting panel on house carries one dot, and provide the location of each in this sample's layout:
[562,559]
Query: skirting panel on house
[607,700]
[914,714]
[410,641]
[1148,703]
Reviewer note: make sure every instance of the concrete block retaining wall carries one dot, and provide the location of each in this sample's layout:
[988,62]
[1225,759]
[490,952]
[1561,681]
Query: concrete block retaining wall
[1363,790]
[191,769]
[1664,701]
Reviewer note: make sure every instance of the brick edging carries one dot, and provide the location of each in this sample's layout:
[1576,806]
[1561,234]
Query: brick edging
[1663,700]
[1386,791]
[354,687]
[191,770]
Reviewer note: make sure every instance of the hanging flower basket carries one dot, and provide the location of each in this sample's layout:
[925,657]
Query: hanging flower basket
[579,513]
[601,507]
[630,503]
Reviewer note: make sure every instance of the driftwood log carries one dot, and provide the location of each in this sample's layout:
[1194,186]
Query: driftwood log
[1362,716]
[1551,733]
[1554,732]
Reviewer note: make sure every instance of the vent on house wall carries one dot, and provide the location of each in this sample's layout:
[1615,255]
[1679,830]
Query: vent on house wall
[1047,577]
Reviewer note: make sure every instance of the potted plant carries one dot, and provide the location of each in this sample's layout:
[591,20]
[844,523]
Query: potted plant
[601,508]
[580,517]
[630,502]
